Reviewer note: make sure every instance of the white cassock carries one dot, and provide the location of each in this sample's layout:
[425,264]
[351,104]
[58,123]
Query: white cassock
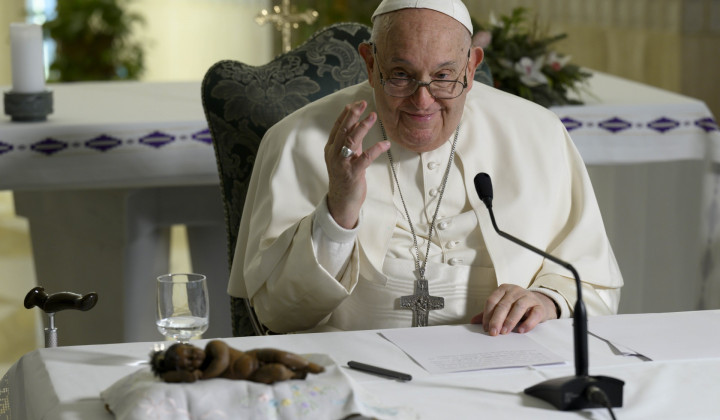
[542,194]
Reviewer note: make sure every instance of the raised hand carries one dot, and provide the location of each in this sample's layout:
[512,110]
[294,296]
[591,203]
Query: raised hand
[346,168]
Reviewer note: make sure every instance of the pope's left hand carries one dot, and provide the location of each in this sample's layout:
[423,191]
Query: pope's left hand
[511,307]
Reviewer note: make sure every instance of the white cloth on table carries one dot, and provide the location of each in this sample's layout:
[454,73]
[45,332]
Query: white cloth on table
[328,395]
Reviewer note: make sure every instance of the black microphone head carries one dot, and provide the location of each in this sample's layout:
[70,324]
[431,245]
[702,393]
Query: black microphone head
[483,186]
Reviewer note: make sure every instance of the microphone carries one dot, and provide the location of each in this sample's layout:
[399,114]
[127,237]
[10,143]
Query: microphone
[571,392]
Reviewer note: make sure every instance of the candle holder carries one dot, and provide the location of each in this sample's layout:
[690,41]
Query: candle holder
[28,107]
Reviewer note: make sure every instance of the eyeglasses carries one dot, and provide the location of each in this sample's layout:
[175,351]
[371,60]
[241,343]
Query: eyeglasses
[402,87]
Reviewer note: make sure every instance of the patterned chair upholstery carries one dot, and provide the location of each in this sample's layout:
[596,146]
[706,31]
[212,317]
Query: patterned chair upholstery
[241,102]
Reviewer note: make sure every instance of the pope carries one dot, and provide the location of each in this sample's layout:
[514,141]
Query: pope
[361,211]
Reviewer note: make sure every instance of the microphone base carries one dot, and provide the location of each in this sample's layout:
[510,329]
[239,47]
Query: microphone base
[571,392]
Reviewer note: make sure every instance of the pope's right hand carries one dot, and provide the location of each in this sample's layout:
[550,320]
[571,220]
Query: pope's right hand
[347,187]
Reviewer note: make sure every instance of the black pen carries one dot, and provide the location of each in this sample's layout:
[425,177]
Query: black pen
[379,371]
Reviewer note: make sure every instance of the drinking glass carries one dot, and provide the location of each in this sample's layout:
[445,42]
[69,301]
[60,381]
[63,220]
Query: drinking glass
[183,306]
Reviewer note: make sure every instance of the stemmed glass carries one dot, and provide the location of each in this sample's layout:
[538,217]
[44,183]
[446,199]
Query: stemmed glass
[183,306]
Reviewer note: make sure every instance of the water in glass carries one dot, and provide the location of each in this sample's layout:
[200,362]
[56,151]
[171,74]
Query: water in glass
[183,306]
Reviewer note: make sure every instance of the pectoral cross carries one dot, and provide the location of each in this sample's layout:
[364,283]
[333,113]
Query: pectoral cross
[421,303]
[285,21]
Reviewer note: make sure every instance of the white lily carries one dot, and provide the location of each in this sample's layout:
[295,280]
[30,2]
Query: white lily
[494,22]
[530,71]
[556,61]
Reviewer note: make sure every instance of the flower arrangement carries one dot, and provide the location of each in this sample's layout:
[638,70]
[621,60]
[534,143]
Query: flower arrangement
[522,63]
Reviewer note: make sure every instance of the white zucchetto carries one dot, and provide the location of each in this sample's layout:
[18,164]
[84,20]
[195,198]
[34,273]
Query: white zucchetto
[454,8]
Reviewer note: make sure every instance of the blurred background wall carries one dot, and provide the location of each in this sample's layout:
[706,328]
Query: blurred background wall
[184,38]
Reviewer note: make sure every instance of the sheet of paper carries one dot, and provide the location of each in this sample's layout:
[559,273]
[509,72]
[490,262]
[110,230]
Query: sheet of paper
[680,335]
[456,348]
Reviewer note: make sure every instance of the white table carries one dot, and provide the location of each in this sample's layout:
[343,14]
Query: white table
[108,135]
[99,207]
[65,383]
[101,182]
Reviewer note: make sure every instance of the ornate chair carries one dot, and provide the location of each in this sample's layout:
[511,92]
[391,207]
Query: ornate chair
[241,102]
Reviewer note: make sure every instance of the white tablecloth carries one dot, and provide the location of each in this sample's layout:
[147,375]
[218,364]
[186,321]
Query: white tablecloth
[65,383]
[111,134]
[132,134]
[109,171]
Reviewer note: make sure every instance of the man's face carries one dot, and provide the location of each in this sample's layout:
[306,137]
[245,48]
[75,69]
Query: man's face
[424,45]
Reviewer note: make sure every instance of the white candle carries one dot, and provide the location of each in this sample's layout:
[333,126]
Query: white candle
[28,68]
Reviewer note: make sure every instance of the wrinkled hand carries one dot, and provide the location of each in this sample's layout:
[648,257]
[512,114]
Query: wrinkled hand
[511,307]
[347,186]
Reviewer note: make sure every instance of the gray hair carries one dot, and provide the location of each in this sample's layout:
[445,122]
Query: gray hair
[381,25]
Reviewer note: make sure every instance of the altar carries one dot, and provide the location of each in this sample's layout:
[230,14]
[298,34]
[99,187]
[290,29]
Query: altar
[119,162]
[101,182]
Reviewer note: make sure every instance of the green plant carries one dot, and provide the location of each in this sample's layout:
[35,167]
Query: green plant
[94,41]
[332,11]
[523,64]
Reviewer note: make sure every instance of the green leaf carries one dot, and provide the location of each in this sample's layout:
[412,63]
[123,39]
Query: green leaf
[516,38]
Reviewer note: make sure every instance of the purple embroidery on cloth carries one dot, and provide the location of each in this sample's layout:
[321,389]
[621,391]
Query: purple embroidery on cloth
[615,125]
[103,143]
[571,124]
[49,146]
[663,124]
[203,136]
[4,148]
[157,139]
[707,124]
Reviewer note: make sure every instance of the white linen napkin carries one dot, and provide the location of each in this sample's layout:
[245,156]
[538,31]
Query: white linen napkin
[328,395]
